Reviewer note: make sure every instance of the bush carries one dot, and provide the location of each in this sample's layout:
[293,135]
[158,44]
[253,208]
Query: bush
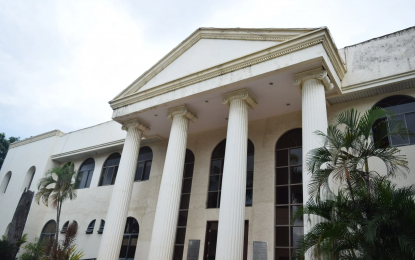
[33,251]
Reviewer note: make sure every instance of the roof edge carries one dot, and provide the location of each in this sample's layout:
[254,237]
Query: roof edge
[36,138]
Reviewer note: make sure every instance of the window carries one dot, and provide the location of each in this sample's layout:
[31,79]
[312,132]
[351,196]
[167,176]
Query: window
[189,162]
[5,182]
[27,182]
[101,227]
[404,109]
[216,172]
[145,159]
[288,193]
[65,227]
[110,169]
[90,228]
[48,231]
[129,241]
[85,174]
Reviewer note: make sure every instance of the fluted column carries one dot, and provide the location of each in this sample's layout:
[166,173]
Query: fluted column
[313,84]
[167,212]
[121,194]
[230,243]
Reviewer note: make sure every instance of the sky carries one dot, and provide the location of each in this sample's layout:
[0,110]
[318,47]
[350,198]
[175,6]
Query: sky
[62,61]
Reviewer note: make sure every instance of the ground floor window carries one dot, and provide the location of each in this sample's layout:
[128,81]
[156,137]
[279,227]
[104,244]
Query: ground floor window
[48,231]
[129,241]
[212,237]
[288,193]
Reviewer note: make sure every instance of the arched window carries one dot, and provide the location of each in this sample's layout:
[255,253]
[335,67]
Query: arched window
[189,162]
[5,182]
[288,192]
[29,178]
[129,241]
[48,231]
[85,174]
[90,228]
[145,159]
[65,227]
[216,172]
[404,109]
[110,169]
[101,227]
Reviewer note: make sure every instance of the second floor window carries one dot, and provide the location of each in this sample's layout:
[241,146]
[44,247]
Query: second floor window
[85,174]
[110,169]
[145,158]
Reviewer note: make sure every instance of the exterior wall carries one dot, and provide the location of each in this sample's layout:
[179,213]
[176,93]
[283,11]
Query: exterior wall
[91,136]
[19,160]
[92,203]
[383,57]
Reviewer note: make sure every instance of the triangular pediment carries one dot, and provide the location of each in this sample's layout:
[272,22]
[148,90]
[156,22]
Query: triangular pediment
[207,48]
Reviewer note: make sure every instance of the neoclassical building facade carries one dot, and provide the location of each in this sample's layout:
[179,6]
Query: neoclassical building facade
[203,156]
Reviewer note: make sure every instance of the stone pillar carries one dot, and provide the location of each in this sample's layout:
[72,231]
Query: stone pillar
[121,194]
[230,243]
[167,212]
[313,83]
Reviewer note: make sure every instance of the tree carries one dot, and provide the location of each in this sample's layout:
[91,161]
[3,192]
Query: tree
[379,228]
[344,230]
[65,249]
[4,146]
[8,249]
[348,146]
[55,188]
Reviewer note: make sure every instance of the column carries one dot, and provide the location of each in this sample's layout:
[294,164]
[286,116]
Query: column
[230,243]
[121,194]
[313,84]
[167,212]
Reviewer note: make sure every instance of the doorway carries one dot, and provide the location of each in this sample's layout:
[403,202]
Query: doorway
[212,236]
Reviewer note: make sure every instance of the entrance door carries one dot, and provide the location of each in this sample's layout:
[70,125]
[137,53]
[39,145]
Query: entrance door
[212,236]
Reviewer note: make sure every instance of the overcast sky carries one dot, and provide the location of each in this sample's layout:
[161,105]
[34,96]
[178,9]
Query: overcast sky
[62,61]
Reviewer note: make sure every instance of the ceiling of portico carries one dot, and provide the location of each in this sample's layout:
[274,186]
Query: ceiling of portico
[272,100]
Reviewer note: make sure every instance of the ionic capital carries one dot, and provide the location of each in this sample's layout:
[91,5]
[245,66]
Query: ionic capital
[240,94]
[182,110]
[135,123]
[319,74]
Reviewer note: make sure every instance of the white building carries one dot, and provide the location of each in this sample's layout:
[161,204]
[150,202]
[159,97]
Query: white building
[174,178]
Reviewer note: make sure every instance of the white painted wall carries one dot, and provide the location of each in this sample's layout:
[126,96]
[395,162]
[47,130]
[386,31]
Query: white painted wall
[19,160]
[95,135]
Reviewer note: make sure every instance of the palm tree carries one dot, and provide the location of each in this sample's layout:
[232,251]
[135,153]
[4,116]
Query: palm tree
[379,228]
[349,144]
[56,187]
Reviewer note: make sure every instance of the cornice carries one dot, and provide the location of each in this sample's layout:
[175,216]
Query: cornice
[320,36]
[36,138]
[89,149]
[135,123]
[243,94]
[268,34]
[319,74]
[182,110]
[379,82]
[97,148]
